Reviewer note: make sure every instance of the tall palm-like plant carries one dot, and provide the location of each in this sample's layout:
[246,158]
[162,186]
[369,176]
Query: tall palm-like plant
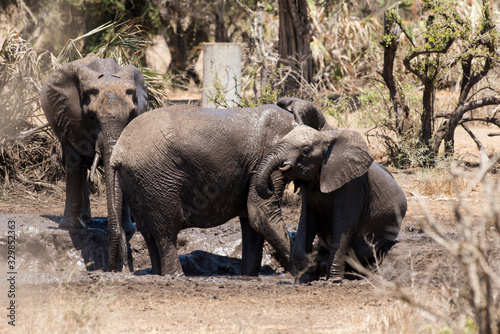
[341,43]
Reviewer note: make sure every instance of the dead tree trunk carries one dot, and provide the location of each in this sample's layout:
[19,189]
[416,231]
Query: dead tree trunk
[294,39]
[427,111]
[220,24]
[390,44]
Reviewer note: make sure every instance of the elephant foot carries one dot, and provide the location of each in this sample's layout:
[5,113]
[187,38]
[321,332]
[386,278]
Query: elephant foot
[176,275]
[71,222]
[308,276]
[336,274]
[304,279]
[337,280]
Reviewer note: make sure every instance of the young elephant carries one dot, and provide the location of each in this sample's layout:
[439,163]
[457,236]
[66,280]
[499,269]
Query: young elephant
[182,167]
[348,201]
[88,103]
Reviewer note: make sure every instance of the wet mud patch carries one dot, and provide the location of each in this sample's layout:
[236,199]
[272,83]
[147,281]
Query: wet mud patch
[42,246]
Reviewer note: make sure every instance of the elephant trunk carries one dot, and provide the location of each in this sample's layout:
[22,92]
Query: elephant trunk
[117,256]
[272,161]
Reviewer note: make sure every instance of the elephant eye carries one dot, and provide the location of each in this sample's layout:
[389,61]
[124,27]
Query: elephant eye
[91,92]
[87,95]
[306,150]
[132,93]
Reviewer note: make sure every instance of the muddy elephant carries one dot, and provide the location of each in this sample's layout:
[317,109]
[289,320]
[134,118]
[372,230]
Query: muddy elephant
[182,167]
[348,201]
[88,103]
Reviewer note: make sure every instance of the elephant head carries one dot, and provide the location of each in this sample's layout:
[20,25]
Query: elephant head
[329,158]
[95,96]
[88,103]
[304,112]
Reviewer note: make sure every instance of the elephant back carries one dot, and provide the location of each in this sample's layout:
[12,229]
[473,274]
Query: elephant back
[388,202]
[250,132]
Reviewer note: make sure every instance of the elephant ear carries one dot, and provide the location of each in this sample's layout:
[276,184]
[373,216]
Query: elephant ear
[60,95]
[305,112]
[133,73]
[348,158]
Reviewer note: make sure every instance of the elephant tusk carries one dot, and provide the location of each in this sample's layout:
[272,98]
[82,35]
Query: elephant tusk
[94,166]
[285,168]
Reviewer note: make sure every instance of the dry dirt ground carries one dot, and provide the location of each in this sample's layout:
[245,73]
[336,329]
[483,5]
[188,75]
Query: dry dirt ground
[73,300]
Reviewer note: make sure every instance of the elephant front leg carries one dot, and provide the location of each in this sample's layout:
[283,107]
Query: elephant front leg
[86,213]
[75,178]
[348,205]
[252,246]
[303,255]
[338,252]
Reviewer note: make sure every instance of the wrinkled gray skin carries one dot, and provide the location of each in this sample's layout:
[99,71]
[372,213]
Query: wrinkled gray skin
[182,167]
[347,199]
[88,103]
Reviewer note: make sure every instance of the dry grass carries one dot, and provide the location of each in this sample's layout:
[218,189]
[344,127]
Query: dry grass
[67,310]
[438,182]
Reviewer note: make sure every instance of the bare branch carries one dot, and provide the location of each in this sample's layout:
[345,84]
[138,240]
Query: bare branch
[25,134]
[479,145]
[485,101]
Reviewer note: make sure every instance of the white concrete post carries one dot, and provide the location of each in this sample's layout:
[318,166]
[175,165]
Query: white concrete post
[222,70]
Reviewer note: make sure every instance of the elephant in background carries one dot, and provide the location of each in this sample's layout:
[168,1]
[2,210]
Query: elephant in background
[88,103]
[182,167]
[348,200]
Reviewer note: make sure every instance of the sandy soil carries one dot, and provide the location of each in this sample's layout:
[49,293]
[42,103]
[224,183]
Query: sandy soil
[99,302]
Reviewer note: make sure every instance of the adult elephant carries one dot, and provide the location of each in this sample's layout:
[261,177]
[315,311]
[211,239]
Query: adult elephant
[348,201]
[182,167]
[88,103]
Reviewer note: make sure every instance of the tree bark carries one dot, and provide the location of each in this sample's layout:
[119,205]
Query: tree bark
[401,109]
[294,41]
[427,112]
[220,24]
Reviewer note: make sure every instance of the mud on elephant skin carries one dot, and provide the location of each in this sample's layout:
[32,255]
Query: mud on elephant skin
[88,103]
[194,168]
[348,200]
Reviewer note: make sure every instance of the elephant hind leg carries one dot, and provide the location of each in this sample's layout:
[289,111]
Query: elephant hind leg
[169,260]
[72,218]
[154,254]
[368,253]
[142,219]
